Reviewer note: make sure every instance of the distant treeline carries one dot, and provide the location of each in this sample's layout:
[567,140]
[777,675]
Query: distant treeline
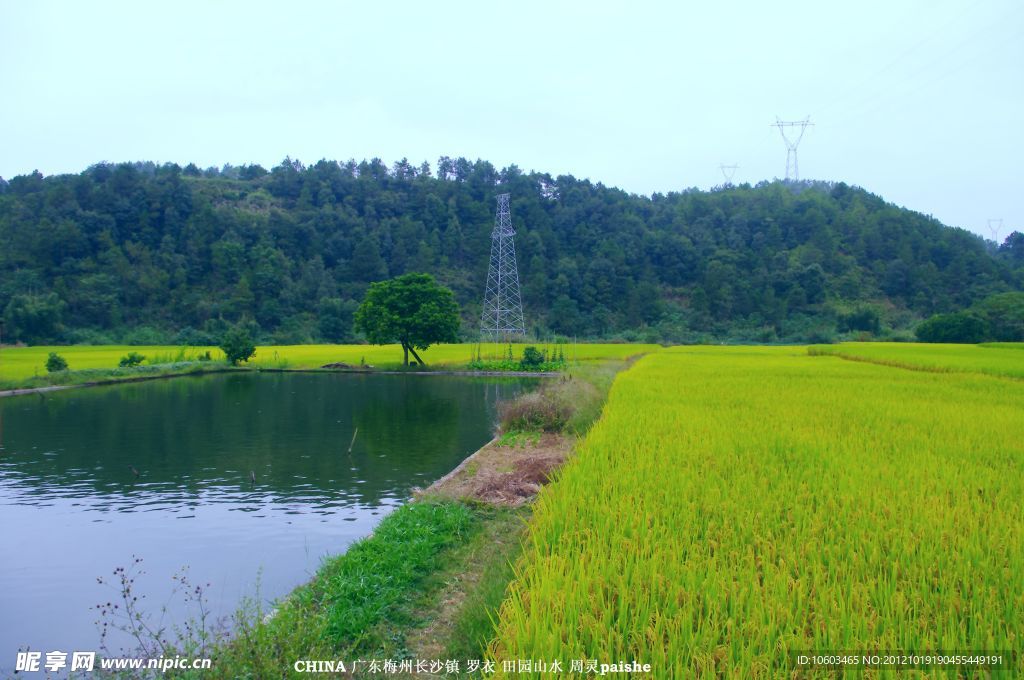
[159,253]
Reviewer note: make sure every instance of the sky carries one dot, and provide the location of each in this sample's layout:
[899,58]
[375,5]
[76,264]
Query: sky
[921,103]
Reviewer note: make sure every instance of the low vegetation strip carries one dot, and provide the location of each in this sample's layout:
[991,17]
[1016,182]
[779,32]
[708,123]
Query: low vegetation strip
[731,507]
[357,600]
[1003,345]
[19,364]
[998,359]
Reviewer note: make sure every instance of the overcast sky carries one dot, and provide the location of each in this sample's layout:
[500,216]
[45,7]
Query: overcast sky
[919,102]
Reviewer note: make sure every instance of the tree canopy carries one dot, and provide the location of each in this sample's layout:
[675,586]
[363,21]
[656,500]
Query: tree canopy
[237,345]
[998,317]
[1004,314]
[963,327]
[412,310]
[142,253]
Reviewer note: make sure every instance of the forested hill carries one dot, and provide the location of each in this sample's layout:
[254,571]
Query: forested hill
[146,253]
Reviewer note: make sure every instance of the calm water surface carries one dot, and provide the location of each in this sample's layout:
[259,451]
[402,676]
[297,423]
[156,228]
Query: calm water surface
[72,507]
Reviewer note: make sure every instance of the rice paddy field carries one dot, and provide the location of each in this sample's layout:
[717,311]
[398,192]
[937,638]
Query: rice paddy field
[20,363]
[735,506]
[997,358]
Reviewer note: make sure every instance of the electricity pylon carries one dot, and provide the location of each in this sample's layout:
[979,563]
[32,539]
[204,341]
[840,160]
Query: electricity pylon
[502,316]
[792,170]
[728,171]
[995,227]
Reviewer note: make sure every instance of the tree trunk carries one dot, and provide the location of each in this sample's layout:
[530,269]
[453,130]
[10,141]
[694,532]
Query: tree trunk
[413,350]
[405,347]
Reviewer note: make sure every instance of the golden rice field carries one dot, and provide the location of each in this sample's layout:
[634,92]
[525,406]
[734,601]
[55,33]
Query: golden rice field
[735,505]
[1002,358]
[18,363]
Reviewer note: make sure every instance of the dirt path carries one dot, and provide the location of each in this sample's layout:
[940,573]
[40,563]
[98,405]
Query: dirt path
[507,472]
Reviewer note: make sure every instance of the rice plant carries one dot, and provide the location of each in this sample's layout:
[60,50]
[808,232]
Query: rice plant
[734,506]
[1002,359]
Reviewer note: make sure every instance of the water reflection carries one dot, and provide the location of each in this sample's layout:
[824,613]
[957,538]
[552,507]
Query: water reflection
[72,506]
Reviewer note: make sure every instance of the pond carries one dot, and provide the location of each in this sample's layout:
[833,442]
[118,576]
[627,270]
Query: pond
[91,479]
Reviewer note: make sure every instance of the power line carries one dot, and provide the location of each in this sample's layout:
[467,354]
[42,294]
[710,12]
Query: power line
[849,92]
[931,71]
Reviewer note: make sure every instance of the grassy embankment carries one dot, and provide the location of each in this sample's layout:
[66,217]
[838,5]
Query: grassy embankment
[735,505]
[22,367]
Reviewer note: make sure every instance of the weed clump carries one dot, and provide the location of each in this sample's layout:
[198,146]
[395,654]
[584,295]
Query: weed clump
[550,409]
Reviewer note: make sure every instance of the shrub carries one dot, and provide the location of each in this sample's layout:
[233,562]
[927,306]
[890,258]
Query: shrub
[820,336]
[962,327]
[90,336]
[860,319]
[532,358]
[1004,314]
[559,406]
[197,338]
[55,363]
[131,359]
[237,345]
[146,335]
[535,411]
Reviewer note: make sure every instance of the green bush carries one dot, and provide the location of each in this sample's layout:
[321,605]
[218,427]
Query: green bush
[195,338]
[860,319]
[55,363]
[237,345]
[1004,314]
[961,327]
[532,358]
[131,359]
[146,335]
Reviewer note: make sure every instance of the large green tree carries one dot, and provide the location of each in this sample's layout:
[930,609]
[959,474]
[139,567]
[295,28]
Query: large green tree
[412,310]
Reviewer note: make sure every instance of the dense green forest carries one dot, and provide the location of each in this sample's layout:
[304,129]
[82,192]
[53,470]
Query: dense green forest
[151,253]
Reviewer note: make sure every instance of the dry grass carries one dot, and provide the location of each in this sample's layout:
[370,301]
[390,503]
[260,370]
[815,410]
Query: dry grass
[508,474]
[549,409]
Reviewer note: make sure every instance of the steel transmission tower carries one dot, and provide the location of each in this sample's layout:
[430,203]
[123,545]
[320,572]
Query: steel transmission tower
[995,227]
[502,316]
[792,171]
[728,171]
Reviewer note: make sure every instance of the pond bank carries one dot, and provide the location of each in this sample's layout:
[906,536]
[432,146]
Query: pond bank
[425,585]
[118,379]
[428,583]
[35,390]
[508,470]
[440,371]
[190,499]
